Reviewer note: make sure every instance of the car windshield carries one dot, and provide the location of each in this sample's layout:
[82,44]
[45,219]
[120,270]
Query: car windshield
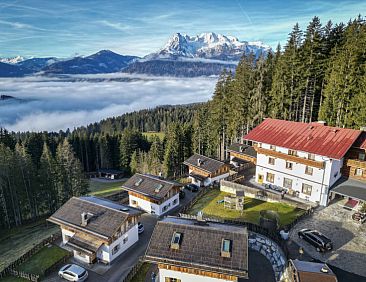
[82,274]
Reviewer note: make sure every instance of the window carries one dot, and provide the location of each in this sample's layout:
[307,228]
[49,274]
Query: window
[270,177]
[273,147]
[175,202]
[292,152]
[125,240]
[311,157]
[176,240]
[358,172]
[306,189]
[116,249]
[309,170]
[287,183]
[134,202]
[361,156]
[289,165]
[226,248]
[169,279]
[271,161]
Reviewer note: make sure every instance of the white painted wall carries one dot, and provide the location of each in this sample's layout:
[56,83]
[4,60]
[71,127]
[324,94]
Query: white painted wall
[66,233]
[82,258]
[208,181]
[155,208]
[186,277]
[320,180]
[105,252]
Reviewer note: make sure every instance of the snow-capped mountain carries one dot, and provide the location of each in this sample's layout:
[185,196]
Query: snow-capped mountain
[208,46]
[12,61]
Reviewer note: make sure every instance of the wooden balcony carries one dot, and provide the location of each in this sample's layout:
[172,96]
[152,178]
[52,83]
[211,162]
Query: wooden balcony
[290,158]
[356,163]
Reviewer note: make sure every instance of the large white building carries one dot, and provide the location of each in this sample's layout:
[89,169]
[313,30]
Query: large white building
[204,171]
[187,250]
[152,194]
[97,229]
[304,158]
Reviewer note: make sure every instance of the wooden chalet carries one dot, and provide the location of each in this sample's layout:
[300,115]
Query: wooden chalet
[190,250]
[241,154]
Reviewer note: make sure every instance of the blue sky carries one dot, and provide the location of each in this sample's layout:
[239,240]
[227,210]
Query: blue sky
[138,27]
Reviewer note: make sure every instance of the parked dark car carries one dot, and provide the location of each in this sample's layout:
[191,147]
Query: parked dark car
[140,228]
[321,242]
[182,194]
[191,187]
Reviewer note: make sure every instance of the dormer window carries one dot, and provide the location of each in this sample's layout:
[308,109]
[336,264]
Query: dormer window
[226,247]
[176,241]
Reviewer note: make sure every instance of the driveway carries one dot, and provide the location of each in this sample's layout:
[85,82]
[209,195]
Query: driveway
[349,240]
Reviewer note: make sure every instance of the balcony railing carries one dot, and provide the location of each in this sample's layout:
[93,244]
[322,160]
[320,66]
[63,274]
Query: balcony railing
[356,163]
[296,159]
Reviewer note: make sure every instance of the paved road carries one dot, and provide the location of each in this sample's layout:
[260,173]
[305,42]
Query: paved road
[122,265]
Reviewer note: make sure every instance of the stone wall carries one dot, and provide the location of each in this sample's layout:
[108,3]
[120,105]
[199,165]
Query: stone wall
[271,251]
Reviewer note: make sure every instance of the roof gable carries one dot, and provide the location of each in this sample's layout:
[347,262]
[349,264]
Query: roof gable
[149,185]
[105,221]
[315,138]
[200,246]
[207,164]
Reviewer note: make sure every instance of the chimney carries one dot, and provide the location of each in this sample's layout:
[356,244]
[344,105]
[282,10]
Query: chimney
[84,219]
[322,122]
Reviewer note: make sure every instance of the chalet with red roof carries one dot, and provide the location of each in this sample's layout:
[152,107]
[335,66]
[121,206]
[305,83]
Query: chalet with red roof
[307,159]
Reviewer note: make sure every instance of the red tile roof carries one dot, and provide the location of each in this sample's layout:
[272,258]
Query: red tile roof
[315,138]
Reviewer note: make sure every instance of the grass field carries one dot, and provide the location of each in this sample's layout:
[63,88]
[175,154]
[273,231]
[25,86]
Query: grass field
[13,279]
[149,134]
[208,204]
[140,276]
[103,189]
[17,241]
[42,260]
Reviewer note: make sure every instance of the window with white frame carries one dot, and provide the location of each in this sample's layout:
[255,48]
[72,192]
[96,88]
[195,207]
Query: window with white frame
[270,177]
[361,156]
[271,161]
[287,183]
[125,240]
[273,147]
[308,170]
[311,157]
[289,165]
[292,152]
[116,249]
[306,189]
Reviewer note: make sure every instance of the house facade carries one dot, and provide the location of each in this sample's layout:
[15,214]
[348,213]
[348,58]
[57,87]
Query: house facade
[204,171]
[152,194]
[96,229]
[241,154]
[305,159]
[187,250]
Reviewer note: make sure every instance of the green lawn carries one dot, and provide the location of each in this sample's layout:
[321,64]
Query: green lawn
[150,134]
[13,279]
[42,260]
[17,241]
[140,276]
[208,204]
[103,189]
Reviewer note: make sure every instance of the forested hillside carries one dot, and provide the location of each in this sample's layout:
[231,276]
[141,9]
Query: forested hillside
[318,75]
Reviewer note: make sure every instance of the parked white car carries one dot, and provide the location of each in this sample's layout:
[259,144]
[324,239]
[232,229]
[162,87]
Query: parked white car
[73,272]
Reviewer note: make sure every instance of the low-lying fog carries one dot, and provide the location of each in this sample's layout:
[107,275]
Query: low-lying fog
[55,103]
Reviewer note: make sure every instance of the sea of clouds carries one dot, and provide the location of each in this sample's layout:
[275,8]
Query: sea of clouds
[58,103]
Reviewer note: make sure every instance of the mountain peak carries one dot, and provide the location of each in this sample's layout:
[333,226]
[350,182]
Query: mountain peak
[13,60]
[208,45]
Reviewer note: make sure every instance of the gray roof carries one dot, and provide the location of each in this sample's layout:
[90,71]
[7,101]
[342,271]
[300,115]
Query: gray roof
[108,216]
[149,185]
[311,271]
[351,188]
[243,149]
[207,164]
[200,247]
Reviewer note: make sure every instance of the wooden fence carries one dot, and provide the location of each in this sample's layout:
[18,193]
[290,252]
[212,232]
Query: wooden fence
[11,269]
[133,270]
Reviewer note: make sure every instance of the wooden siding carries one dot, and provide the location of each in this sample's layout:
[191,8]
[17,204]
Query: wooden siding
[244,157]
[351,163]
[198,272]
[291,158]
[224,169]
